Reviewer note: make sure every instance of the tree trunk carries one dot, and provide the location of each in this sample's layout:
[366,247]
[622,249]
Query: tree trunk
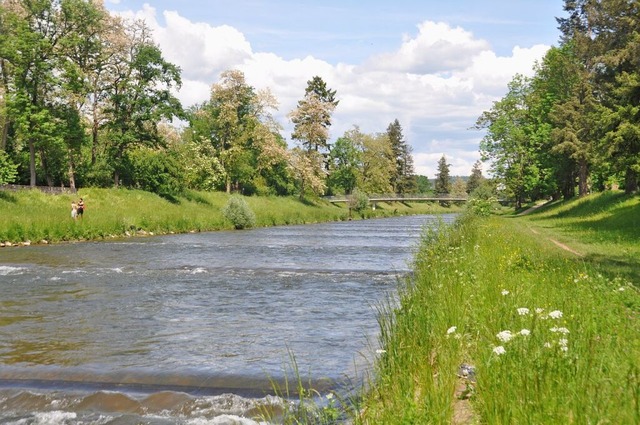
[94,132]
[5,134]
[72,177]
[583,178]
[32,163]
[43,160]
[630,181]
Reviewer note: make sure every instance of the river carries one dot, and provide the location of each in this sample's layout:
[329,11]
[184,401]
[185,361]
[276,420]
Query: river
[194,328]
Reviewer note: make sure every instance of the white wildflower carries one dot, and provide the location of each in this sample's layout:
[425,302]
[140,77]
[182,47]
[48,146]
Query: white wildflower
[451,330]
[563,342]
[329,396]
[559,330]
[621,289]
[547,345]
[564,348]
[539,310]
[523,311]
[499,350]
[505,292]
[504,336]
[555,314]
[525,332]
[381,351]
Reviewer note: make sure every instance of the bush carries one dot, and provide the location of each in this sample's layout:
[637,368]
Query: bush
[239,213]
[358,201]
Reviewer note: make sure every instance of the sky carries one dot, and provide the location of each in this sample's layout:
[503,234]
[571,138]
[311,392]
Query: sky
[435,65]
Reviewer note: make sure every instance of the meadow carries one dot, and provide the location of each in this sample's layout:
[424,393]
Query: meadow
[502,325]
[30,216]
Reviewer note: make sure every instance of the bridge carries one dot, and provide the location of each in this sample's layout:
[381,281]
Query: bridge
[400,197]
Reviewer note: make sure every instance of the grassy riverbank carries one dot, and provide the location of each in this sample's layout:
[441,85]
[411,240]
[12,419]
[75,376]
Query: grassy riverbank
[34,216]
[543,308]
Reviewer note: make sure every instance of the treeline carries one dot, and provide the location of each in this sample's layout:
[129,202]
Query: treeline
[574,127]
[87,99]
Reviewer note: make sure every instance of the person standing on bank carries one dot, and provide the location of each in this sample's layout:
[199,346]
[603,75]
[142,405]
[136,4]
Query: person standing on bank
[80,208]
[74,210]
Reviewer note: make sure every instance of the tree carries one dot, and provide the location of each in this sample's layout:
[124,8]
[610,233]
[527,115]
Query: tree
[403,179]
[306,167]
[475,179]
[31,34]
[459,189]
[509,144]
[344,165]
[424,184]
[443,181]
[243,136]
[377,161]
[312,117]
[141,96]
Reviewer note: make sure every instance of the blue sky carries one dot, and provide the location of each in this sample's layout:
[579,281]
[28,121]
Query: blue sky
[433,65]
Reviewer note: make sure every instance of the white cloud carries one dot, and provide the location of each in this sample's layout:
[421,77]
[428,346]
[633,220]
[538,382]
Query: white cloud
[437,48]
[436,84]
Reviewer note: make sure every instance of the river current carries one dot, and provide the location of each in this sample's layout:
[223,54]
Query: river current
[195,328]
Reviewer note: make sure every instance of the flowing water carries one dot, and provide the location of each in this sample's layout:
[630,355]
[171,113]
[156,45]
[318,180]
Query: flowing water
[193,328]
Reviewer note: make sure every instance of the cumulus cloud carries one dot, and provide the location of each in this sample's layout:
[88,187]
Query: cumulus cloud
[436,83]
[437,48]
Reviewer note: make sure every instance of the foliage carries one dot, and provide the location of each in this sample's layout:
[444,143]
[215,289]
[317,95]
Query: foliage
[344,165]
[312,117]
[155,171]
[238,212]
[424,184]
[7,169]
[476,178]
[573,126]
[482,201]
[306,167]
[358,201]
[443,180]
[403,179]
[377,161]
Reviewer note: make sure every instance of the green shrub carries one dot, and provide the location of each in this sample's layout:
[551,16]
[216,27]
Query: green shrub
[359,202]
[239,213]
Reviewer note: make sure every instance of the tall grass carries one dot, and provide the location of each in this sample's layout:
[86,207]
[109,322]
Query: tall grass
[552,339]
[35,216]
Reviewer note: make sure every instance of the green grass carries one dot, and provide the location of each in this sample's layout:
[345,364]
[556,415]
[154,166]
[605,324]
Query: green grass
[34,216]
[575,334]
[604,228]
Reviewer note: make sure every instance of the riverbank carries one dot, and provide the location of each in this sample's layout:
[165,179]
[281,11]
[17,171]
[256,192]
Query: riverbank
[502,324]
[30,217]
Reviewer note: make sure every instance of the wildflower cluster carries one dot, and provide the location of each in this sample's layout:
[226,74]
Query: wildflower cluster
[558,335]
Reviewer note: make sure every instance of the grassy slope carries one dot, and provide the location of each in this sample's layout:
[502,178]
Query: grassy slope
[34,216]
[470,282]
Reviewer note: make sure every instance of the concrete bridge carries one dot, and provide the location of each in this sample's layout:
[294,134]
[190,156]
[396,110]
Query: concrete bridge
[400,197]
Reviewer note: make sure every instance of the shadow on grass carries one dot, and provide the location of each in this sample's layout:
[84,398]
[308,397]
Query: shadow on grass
[6,196]
[617,266]
[195,197]
[605,201]
[171,198]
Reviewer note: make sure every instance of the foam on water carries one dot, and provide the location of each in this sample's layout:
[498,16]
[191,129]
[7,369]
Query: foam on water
[165,407]
[10,270]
